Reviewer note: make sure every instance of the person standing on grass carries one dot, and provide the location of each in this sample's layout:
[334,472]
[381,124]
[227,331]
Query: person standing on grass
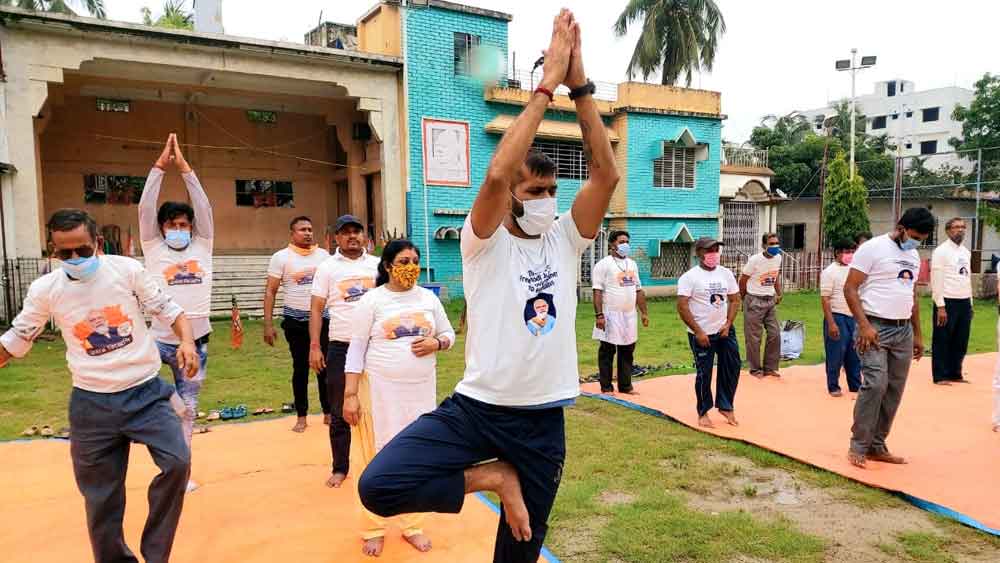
[509,405]
[338,286]
[839,327]
[707,301]
[391,373]
[760,289]
[177,242]
[996,377]
[881,291]
[951,290]
[617,293]
[117,396]
[293,269]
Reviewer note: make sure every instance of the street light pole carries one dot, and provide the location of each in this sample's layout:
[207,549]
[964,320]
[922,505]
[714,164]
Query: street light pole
[854,72]
[849,64]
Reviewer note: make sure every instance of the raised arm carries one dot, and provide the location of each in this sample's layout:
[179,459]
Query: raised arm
[594,197]
[148,228]
[204,222]
[492,202]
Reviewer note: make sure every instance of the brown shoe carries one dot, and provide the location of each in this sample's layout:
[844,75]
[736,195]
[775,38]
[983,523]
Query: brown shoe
[886,457]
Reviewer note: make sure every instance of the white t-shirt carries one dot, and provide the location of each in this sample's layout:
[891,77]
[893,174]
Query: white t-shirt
[950,269]
[618,279]
[385,324]
[521,316]
[891,271]
[296,274]
[108,346]
[343,282]
[709,292]
[763,274]
[831,284]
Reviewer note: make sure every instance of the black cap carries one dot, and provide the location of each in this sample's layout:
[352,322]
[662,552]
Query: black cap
[705,243]
[345,220]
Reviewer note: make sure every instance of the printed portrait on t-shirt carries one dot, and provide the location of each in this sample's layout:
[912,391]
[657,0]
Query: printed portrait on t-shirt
[768,279]
[628,278]
[906,276]
[408,323]
[184,273]
[104,330]
[353,289]
[717,300]
[540,314]
[304,276]
[963,271]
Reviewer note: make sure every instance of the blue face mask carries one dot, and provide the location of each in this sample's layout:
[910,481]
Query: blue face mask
[623,249]
[178,239]
[774,250]
[83,269]
[909,244]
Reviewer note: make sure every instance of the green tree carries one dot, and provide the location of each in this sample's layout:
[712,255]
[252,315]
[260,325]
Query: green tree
[981,120]
[174,16]
[780,130]
[678,37]
[94,7]
[845,203]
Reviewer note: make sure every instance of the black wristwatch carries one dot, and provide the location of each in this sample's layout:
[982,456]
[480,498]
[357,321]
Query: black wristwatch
[587,89]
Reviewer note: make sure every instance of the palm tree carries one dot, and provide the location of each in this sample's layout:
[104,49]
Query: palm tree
[791,128]
[678,36]
[174,16]
[94,7]
[839,124]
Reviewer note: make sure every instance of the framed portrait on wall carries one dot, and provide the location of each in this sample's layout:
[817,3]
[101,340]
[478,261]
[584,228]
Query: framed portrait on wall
[446,152]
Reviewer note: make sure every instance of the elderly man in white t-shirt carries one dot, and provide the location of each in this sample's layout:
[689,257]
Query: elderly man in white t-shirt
[760,288]
[509,405]
[293,269]
[951,291]
[881,291]
[98,302]
[617,294]
[707,301]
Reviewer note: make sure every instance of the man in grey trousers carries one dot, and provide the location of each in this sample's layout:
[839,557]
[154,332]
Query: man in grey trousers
[881,293]
[760,289]
[97,301]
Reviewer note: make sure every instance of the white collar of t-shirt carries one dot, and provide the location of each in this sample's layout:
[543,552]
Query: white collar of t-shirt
[339,256]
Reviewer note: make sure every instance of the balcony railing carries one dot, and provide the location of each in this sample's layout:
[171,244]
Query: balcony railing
[750,158]
[523,80]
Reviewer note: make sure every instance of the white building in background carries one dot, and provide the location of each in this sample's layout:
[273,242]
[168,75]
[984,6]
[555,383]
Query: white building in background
[918,122]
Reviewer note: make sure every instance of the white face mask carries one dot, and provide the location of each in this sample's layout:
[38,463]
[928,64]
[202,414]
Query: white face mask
[538,217]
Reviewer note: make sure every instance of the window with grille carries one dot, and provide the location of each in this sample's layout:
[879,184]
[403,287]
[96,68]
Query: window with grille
[673,261]
[793,236]
[675,169]
[464,45]
[878,122]
[568,156]
[264,193]
[112,189]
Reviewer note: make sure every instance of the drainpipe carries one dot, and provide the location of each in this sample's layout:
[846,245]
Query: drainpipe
[3,75]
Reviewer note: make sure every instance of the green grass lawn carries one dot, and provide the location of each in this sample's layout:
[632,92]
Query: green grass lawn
[653,462]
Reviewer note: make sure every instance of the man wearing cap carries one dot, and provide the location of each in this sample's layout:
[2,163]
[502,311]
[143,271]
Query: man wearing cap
[707,300]
[338,285]
[881,292]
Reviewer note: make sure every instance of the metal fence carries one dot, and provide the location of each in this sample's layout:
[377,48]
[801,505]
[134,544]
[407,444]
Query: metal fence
[18,273]
[524,80]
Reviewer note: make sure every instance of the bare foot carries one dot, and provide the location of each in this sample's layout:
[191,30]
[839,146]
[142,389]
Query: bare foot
[326,419]
[856,459]
[730,418]
[419,542]
[703,420]
[996,427]
[373,547]
[757,374]
[836,393]
[942,383]
[501,478]
[300,425]
[630,392]
[772,374]
[886,457]
[336,480]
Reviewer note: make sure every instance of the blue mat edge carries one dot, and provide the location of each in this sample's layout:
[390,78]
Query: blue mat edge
[548,555]
[918,502]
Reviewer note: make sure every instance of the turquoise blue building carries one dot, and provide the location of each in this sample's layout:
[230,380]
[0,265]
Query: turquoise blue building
[667,142]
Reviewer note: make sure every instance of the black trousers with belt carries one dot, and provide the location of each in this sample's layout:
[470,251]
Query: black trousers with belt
[951,341]
[605,356]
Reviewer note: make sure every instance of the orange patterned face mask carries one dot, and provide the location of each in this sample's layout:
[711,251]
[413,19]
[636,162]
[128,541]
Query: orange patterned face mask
[406,275]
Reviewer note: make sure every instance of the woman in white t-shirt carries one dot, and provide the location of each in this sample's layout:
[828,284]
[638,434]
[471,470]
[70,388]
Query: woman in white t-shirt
[391,368]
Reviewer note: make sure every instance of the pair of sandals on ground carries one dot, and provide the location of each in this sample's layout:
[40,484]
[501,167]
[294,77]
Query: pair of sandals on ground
[45,432]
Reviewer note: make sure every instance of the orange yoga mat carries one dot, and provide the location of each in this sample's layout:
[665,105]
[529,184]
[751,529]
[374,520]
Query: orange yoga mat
[944,431]
[262,498]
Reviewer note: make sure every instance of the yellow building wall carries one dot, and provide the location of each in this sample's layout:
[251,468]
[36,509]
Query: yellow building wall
[380,31]
[668,98]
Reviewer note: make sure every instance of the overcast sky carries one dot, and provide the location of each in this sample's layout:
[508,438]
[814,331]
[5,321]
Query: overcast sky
[777,55]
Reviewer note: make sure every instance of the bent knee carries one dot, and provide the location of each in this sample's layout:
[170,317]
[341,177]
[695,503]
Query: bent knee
[375,491]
